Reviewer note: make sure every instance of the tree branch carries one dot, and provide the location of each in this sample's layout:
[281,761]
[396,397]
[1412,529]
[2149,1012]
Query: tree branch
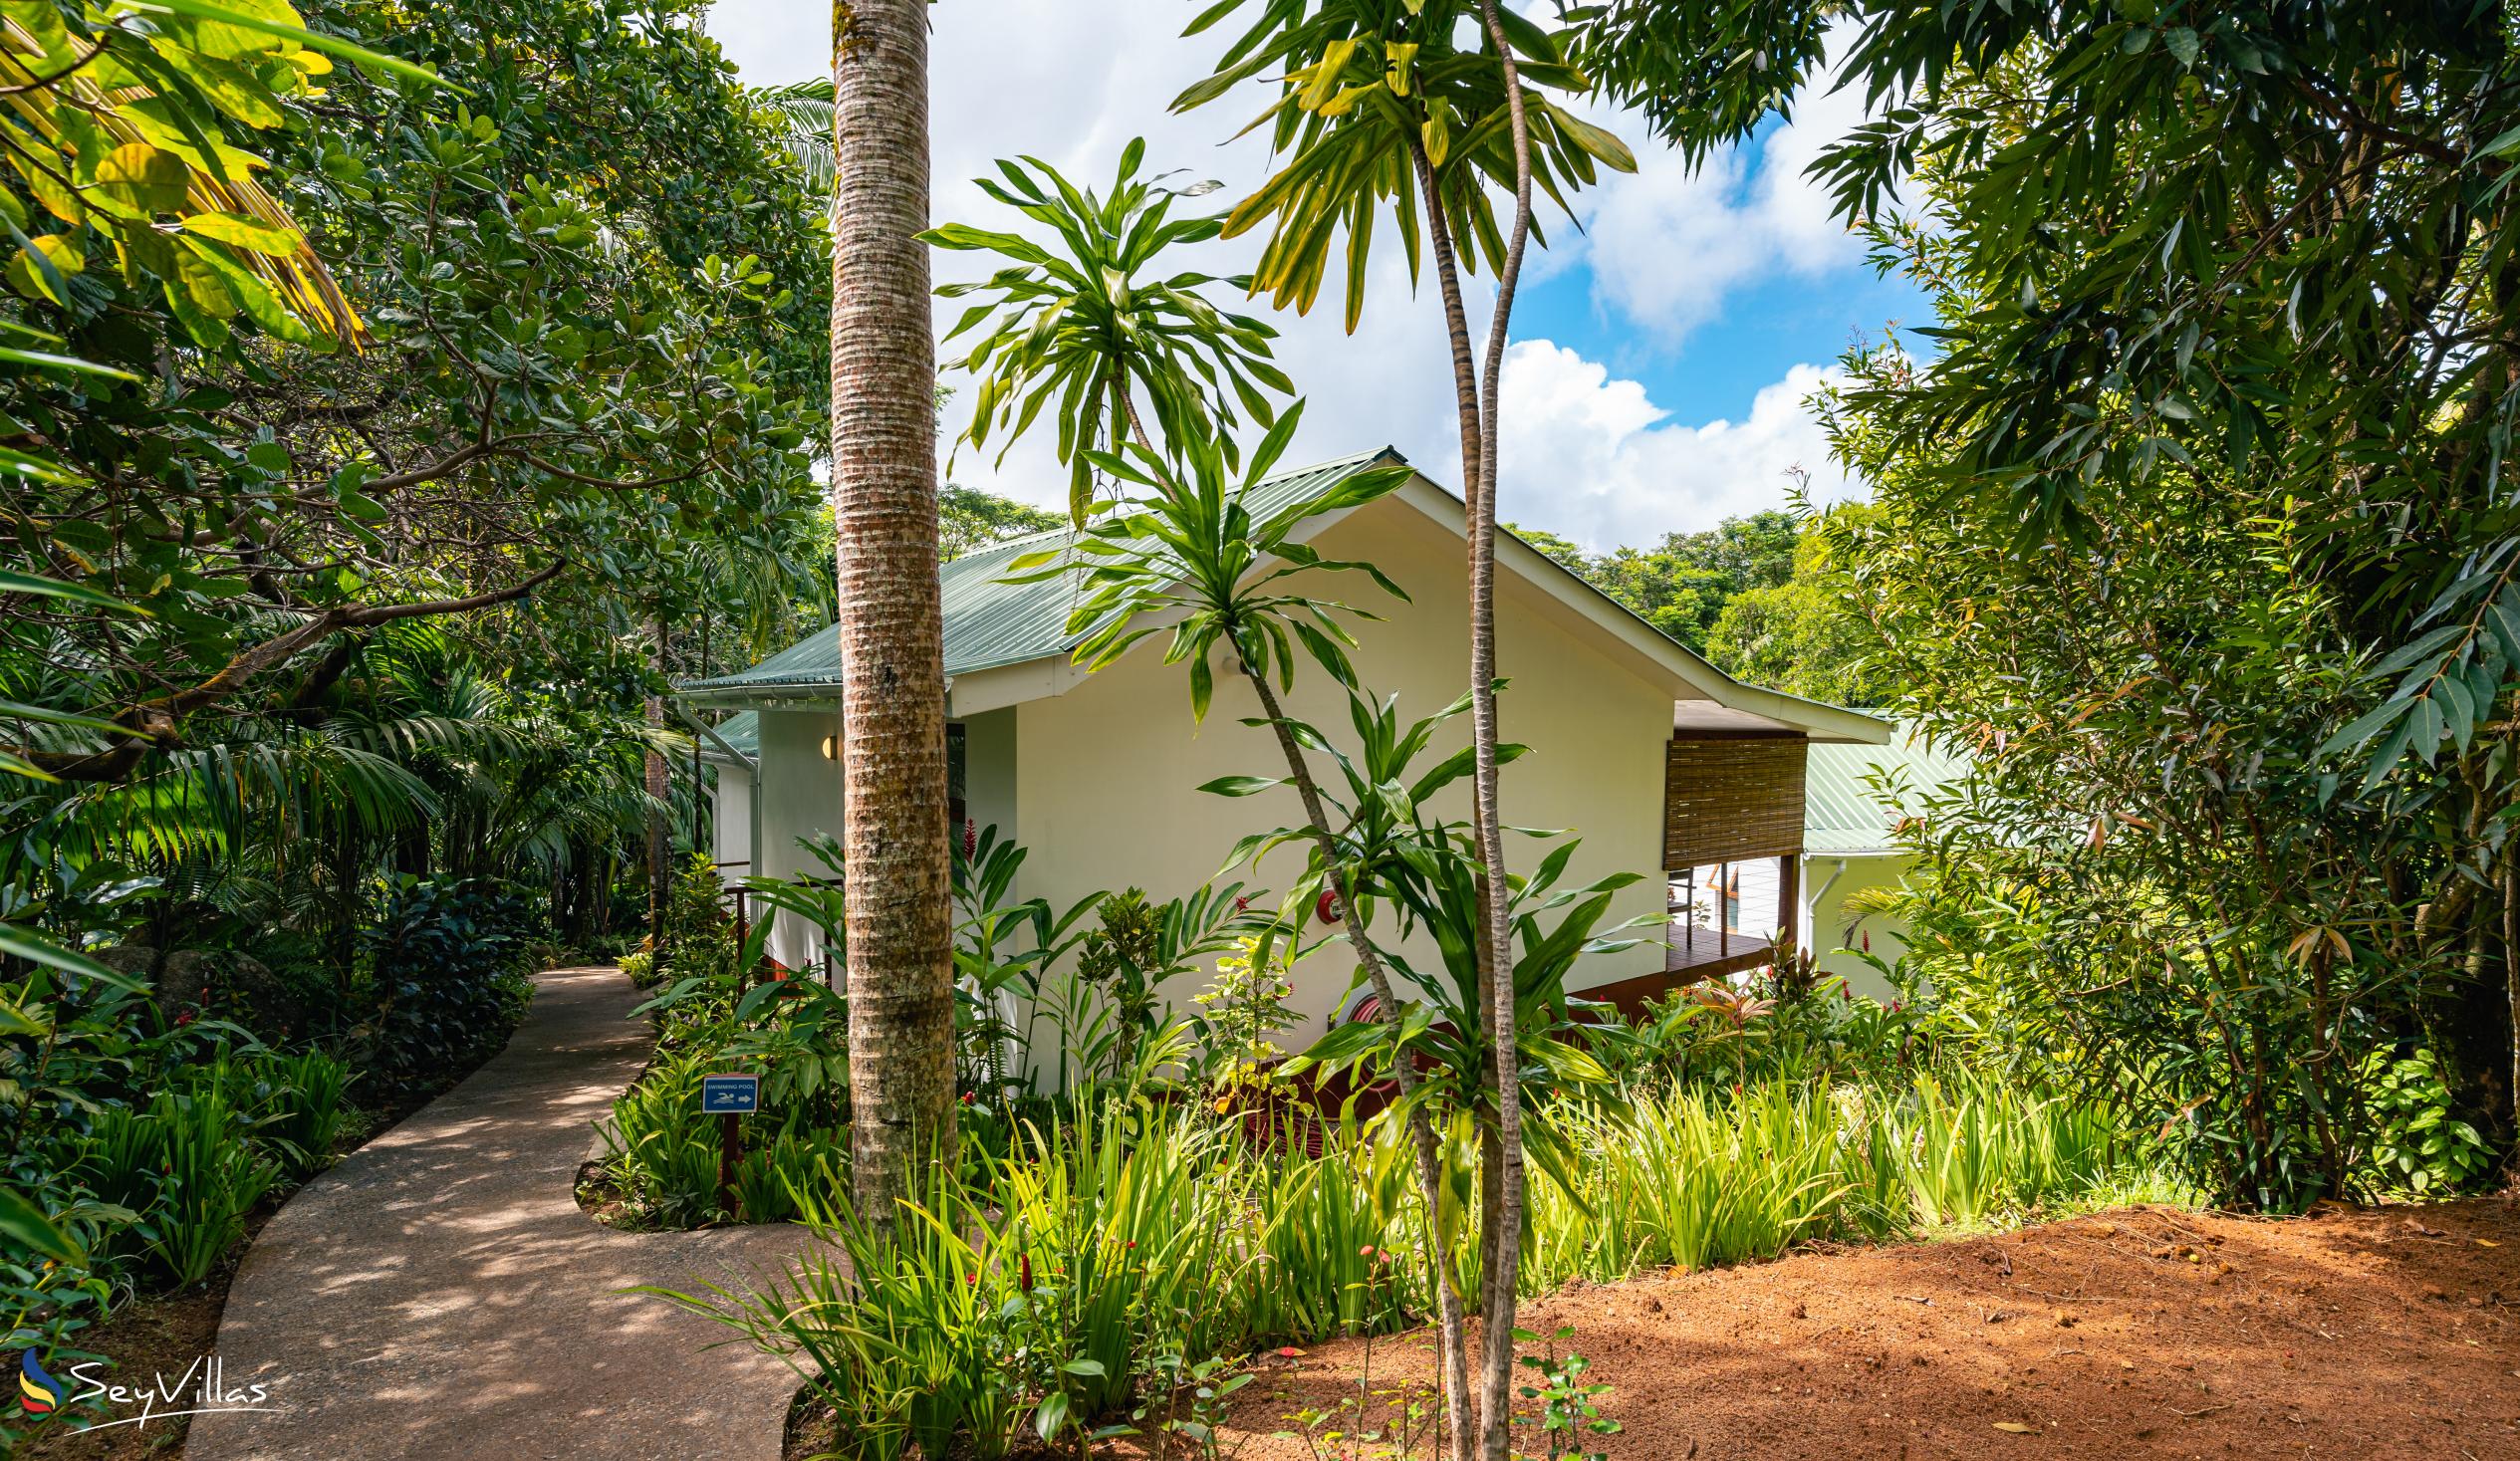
[153,723]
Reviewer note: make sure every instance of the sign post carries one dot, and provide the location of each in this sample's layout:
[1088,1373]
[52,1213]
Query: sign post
[729,1099]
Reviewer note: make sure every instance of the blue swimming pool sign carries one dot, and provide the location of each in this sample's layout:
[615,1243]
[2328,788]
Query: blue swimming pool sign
[730,1095]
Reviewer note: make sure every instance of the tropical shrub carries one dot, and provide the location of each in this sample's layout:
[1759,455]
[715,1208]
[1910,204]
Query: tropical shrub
[447,961]
[1244,1008]
[2420,1148]
[661,1150]
[304,1095]
[658,1146]
[699,938]
[1049,1287]
[1039,1296]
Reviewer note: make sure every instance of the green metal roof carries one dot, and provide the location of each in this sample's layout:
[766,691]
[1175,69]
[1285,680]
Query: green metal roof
[1843,814]
[743,732]
[988,623]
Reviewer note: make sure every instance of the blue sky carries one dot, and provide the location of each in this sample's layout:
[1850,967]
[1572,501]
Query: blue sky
[1661,356]
[1764,330]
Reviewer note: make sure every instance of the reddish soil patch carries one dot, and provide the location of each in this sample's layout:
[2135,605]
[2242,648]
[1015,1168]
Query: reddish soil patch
[2383,1333]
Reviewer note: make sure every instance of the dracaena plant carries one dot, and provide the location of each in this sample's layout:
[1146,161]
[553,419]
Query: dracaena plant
[1088,321]
[1379,106]
[1208,553]
[1212,557]
[1406,870]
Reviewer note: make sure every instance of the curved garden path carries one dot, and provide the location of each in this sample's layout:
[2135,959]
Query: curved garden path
[439,1294]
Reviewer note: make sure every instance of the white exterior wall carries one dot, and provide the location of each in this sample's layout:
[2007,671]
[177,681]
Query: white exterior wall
[1834,931]
[1108,774]
[800,798]
[988,772]
[731,822]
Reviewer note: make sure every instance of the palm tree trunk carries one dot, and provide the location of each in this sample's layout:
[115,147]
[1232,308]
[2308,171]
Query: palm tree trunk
[1496,1372]
[1502,1183]
[659,787]
[891,623]
[1452,1344]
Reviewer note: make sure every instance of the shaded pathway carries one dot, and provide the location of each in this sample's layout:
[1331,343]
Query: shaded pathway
[439,1294]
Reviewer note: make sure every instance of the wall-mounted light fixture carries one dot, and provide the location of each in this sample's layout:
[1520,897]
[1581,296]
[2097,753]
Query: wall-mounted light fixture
[831,748]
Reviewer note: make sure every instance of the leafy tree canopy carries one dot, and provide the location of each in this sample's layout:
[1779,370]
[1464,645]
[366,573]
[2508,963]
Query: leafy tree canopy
[1797,636]
[395,428]
[589,284]
[1682,583]
[2198,528]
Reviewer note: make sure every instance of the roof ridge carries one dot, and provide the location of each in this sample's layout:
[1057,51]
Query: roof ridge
[1353,458]
[1006,628]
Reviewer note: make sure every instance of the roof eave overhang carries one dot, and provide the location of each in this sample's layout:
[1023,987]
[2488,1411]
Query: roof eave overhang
[772,696]
[1658,656]
[1653,653]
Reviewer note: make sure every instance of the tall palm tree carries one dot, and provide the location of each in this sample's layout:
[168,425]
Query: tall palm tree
[1383,107]
[892,619]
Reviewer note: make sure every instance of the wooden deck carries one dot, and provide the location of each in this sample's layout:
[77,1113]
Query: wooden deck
[1686,960]
[1706,956]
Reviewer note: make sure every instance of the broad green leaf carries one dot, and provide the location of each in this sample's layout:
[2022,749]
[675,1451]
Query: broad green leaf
[246,233]
[30,1231]
[142,180]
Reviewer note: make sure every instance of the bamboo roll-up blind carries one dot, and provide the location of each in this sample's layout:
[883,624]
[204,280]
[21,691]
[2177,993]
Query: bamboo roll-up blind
[1729,799]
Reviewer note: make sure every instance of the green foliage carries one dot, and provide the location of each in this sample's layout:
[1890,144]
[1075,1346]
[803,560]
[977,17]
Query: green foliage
[1797,635]
[447,957]
[1244,1007]
[1193,544]
[1037,1296]
[2092,969]
[969,519]
[184,1163]
[1682,586]
[661,1149]
[1325,1227]
[1706,73]
[306,1109]
[2194,531]
[1089,322]
[2420,1149]
[121,121]
[1396,858]
[1705,1175]
[1761,597]
[579,348]
[139,1156]
[1121,967]
[1719,1030]
[1075,1279]
[1569,1415]
[1375,95]
[699,938]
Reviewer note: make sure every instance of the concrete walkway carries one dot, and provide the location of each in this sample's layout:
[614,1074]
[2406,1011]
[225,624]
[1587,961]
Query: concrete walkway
[439,1294]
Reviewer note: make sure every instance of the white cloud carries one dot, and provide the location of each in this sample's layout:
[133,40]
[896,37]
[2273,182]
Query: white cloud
[1589,457]
[1029,77]
[1668,243]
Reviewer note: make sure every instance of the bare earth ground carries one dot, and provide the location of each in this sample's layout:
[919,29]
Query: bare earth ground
[2381,1332]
